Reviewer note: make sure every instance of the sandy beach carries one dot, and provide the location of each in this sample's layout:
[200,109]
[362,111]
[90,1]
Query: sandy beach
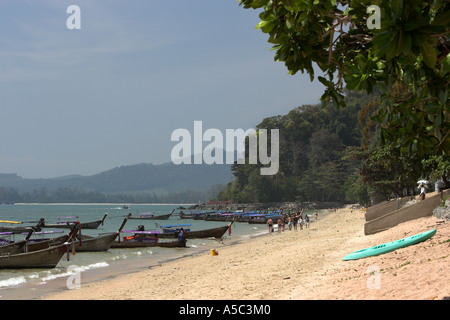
[296,265]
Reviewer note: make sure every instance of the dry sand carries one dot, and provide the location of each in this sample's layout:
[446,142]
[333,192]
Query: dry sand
[302,264]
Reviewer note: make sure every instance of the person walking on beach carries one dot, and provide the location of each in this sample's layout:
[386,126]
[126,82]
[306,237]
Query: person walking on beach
[280,225]
[422,192]
[306,221]
[295,220]
[316,215]
[270,224]
[290,223]
[300,222]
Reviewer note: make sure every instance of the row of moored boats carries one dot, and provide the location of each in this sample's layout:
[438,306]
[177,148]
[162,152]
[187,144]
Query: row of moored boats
[259,216]
[47,250]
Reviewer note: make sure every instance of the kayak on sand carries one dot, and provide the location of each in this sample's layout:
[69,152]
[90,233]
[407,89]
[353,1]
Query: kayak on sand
[390,246]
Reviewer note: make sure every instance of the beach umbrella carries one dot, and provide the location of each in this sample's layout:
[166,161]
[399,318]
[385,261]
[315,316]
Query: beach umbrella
[422,183]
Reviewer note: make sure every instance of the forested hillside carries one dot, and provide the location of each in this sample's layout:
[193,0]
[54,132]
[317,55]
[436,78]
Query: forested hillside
[313,144]
[140,183]
[329,154]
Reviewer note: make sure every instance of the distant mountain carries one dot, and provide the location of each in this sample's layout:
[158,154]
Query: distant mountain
[138,178]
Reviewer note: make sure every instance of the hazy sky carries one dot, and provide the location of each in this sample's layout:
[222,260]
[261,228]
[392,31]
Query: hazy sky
[111,94]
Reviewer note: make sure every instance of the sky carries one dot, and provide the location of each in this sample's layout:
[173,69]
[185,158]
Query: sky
[82,101]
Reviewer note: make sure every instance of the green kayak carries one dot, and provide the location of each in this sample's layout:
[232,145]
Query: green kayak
[390,246]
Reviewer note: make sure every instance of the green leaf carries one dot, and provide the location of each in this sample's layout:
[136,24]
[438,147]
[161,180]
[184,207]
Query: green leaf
[396,46]
[261,24]
[432,108]
[259,3]
[429,54]
[408,45]
[291,5]
[381,41]
[446,65]
[443,96]
[266,26]
[397,7]
[324,81]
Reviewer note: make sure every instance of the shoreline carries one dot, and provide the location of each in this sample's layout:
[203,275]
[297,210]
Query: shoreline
[95,204]
[294,265]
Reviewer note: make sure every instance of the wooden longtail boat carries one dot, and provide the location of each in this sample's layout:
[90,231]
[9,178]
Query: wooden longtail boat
[91,244]
[38,244]
[29,245]
[44,258]
[151,216]
[174,228]
[223,217]
[17,229]
[100,243]
[15,247]
[85,225]
[145,239]
[199,234]
[196,215]
[207,233]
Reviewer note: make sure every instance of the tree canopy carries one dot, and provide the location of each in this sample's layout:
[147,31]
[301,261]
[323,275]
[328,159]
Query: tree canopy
[409,49]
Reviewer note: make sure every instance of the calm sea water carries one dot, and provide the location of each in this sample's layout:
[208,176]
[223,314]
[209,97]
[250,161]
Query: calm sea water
[33,283]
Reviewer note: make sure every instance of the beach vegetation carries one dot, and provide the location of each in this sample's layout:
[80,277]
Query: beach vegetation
[383,121]
[409,47]
[404,264]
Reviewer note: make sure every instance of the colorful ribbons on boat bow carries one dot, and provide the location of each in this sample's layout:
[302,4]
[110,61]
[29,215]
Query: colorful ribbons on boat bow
[79,231]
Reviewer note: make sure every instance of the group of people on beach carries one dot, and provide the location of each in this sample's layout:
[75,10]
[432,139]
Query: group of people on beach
[293,222]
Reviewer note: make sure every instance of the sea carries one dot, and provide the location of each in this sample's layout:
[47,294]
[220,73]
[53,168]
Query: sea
[76,270]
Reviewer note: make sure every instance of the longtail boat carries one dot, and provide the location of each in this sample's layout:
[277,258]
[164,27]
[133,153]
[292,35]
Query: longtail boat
[225,216]
[17,229]
[206,233]
[29,245]
[45,258]
[14,247]
[175,227]
[196,215]
[189,234]
[100,243]
[85,225]
[144,239]
[91,244]
[151,216]
[46,233]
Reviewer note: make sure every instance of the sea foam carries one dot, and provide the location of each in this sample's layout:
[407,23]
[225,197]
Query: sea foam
[12,281]
[73,270]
